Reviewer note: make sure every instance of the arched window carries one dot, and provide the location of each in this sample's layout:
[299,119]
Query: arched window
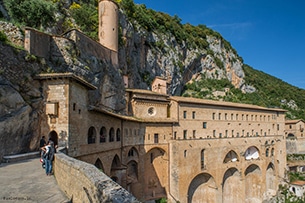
[272,152]
[91,135]
[103,135]
[231,156]
[252,153]
[118,134]
[111,135]
[267,152]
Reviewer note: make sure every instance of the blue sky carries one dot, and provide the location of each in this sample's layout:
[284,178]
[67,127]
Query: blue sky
[268,34]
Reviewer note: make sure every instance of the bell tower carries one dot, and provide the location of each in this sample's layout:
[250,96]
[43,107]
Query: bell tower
[108,24]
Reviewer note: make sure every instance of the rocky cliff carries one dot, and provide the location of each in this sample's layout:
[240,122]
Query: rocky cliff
[139,58]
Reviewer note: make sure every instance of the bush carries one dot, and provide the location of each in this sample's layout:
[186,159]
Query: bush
[3,37]
[33,13]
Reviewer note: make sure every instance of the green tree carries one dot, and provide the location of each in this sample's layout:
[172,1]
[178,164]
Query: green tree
[33,13]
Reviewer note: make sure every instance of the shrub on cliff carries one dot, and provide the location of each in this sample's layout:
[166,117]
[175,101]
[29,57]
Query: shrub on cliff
[3,37]
[33,13]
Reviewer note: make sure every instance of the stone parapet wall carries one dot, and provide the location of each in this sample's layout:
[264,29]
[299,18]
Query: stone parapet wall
[83,182]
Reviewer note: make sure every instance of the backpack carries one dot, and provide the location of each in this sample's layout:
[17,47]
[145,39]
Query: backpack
[50,154]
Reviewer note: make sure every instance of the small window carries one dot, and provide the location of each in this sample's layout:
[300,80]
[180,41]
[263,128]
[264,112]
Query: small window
[193,114]
[184,134]
[175,135]
[184,114]
[156,138]
[204,125]
[194,133]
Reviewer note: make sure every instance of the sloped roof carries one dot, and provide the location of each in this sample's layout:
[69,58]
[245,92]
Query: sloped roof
[293,121]
[221,103]
[78,79]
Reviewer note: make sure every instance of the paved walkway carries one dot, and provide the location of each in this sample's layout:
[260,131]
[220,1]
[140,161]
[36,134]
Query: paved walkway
[26,181]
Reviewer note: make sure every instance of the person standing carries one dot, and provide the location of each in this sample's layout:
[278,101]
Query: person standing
[48,157]
[41,145]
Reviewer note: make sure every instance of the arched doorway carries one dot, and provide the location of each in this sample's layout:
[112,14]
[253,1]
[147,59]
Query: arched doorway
[202,189]
[54,137]
[232,187]
[253,184]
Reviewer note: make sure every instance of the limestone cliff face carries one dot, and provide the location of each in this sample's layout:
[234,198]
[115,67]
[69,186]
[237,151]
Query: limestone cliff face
[140,58]
[142,61]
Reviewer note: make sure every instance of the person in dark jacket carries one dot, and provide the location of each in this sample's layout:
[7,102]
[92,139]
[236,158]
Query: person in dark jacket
[49,151]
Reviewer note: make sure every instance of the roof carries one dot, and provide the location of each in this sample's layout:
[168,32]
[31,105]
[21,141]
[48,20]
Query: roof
[78,79]
[298,182]
[293,121]
[192,100]
[130,118]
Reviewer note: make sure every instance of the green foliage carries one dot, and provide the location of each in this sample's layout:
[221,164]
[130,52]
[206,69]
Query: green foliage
[3,37]
[85,15]
[33,13]
[271,91]
[288,197]
[162,200]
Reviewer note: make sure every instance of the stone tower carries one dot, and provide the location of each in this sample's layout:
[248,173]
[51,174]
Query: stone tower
[108,24]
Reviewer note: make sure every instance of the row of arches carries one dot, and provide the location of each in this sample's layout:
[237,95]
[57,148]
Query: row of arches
[111,136]
[251,153]
[235,186]
[127,172]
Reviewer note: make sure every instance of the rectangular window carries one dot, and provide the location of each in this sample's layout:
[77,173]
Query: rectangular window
[175,135]
[194,133]
[193,114]
[213,116]
[184,114]
[156,138]
[184,134]
[204,125]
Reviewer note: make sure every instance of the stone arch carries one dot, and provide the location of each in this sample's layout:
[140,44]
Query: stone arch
[53,136]
[290,136]
[271,183]
[103,134]
[118,134]
[111,135]
[98,163]
[253,186]
[231,156]
[116,172]
[155,164]
[202,189]
[252,153]
[133,153]
[232,187]
[91,135]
